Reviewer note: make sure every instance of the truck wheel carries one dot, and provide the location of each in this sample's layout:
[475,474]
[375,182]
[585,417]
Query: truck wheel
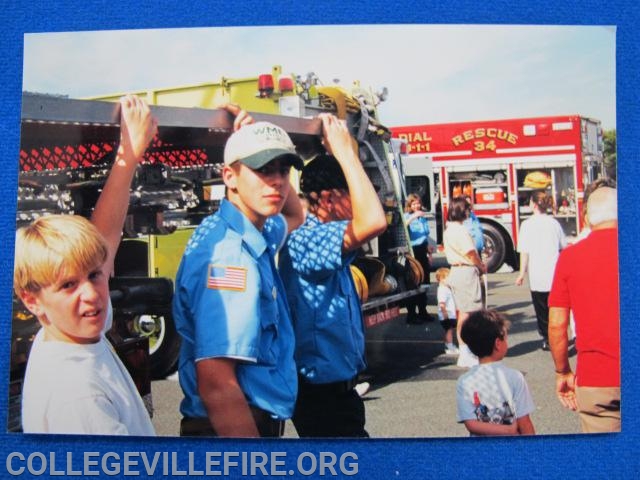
[495,248]
[164,342]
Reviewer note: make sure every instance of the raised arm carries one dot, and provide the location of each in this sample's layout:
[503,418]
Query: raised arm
[368,220]
[240,117]
[137,128]
[292,210]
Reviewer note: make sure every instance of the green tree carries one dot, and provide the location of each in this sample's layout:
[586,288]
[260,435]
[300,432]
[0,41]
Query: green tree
[610,155]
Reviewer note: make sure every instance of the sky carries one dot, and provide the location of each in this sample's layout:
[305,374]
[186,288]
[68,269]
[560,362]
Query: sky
[434,73]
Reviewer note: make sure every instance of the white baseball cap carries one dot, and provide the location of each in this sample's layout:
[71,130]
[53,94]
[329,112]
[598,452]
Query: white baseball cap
[258,143]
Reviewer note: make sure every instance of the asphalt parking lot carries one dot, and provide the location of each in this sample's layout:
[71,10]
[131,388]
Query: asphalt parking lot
[413,382]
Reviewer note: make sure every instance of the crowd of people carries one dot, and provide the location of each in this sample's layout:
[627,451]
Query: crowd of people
[265,342]
[579,280]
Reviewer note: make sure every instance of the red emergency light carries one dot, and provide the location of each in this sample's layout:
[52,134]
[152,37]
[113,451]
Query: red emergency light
[285,84]
[265,85]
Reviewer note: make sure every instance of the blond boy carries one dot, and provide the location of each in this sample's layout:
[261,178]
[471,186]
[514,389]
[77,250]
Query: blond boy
[74,382]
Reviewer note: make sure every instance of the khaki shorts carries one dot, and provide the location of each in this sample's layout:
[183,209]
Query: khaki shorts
[599,409]
[464,282]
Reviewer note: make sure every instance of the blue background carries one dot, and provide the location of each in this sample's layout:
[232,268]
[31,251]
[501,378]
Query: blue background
[596,456]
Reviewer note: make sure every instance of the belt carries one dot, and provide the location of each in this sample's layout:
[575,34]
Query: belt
[201,426]
[343,386]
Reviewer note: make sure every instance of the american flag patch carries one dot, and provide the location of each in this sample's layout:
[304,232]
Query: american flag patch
[227,278]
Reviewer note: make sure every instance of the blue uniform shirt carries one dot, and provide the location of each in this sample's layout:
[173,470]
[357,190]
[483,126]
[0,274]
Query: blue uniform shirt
[418,230]
[230,303]
[324,304]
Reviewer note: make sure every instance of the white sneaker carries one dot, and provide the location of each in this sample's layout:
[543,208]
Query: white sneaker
[362,388]
[451,349]
[466,359]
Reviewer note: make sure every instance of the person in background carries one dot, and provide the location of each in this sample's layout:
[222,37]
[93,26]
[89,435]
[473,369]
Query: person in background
[589,189]
[473,225]
[418,226]
[539,243]
[344,214]
[466,268]
[586,283]
[74,382]
[237,369]
[446,311]
[492,398]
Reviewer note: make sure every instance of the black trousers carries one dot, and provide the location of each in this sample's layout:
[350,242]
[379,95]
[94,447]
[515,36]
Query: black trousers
[541,306]
[419,303]
[329,410]
[422,255]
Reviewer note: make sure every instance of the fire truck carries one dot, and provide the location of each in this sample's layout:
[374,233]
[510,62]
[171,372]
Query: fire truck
[498,164]
[68,146]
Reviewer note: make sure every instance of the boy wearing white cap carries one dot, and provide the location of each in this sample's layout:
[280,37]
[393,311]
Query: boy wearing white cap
[237,369]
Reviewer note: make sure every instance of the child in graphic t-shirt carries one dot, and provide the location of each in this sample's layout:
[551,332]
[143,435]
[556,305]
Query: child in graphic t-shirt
[492,398]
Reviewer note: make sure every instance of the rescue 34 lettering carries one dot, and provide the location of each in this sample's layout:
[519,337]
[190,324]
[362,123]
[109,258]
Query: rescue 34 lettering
[483,138]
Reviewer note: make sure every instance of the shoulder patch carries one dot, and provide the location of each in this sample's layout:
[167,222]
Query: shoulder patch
[224,277]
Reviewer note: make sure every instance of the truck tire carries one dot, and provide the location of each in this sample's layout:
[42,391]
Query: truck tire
[495,248]
[164,342]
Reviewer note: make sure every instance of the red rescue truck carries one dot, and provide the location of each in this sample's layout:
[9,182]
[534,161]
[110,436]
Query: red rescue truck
[498,164]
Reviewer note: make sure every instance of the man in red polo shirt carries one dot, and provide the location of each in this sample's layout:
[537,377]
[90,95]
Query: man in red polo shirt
[586,283]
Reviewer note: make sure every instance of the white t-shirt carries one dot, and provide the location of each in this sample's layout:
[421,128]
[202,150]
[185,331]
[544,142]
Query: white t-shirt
[493,393]
[81,389]
[445,296]
[542,237]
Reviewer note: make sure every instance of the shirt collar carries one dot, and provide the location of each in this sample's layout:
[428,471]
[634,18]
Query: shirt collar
[597,231]
[241,224]
[311,219]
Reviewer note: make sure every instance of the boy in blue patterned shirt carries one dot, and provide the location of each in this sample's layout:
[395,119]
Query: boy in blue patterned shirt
[344,213]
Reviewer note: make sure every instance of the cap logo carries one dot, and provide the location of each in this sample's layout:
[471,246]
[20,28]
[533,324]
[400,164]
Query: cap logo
[271,133]
[257,144]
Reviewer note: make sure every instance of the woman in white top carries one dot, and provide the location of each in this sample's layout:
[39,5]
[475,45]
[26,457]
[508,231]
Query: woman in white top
[540,241]
[466,268]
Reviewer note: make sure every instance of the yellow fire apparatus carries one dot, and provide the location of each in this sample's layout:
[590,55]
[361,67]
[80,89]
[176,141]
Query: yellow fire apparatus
[67,146]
